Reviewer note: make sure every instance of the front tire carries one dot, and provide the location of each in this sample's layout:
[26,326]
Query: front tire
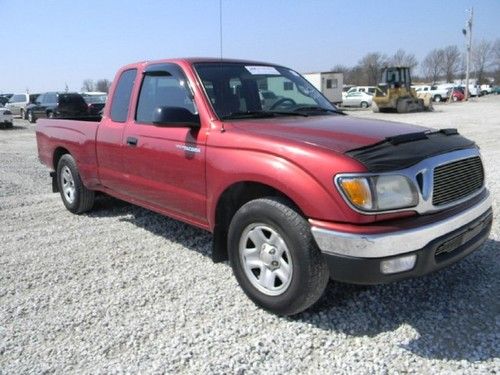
[75,196]
[364,105]
[275,258]
[437,98]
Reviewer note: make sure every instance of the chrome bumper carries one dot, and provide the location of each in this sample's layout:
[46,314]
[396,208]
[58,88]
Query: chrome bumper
[394,243]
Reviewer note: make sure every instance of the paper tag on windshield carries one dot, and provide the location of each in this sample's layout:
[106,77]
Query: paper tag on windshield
[262,70]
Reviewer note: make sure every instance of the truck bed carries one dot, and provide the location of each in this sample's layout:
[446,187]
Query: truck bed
[76,136]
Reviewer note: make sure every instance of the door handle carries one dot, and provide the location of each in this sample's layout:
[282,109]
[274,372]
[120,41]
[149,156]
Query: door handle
[132,141]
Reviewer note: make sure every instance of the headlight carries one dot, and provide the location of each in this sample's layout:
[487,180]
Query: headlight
[378,193]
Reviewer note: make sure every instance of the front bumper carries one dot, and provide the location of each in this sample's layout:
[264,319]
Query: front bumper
[357,258]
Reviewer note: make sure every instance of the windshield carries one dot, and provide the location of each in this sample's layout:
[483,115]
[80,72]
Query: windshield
[239,90]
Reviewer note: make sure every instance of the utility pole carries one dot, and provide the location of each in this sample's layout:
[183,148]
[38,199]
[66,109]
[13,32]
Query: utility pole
[468,44]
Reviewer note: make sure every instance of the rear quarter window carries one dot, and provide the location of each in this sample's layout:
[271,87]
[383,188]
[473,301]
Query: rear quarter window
[120,102]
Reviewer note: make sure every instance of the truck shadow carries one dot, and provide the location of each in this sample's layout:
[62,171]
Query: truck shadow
[454,313]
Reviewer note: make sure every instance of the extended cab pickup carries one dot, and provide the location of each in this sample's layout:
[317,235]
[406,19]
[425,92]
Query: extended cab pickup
[294,191]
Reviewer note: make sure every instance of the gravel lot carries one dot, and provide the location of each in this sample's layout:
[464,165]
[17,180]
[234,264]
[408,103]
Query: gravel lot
[123,289]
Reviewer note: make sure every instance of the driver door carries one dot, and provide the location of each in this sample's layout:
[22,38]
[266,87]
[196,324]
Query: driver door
[165,164]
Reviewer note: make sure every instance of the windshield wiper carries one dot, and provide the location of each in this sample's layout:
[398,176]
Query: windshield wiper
[318,109]
[260,114]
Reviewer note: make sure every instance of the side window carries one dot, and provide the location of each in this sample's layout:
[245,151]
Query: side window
[361,90]
[162,91]
[288,86]
[121,97]
[51,98]
[40,98]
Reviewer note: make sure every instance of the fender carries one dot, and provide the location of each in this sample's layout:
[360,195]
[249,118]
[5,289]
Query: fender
[313,198]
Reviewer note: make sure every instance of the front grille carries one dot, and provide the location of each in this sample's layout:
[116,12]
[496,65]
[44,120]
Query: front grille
[457,180]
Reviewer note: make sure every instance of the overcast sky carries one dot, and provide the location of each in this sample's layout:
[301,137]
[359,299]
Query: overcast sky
[47,44]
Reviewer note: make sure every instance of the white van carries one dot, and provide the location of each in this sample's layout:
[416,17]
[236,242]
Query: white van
[18,102]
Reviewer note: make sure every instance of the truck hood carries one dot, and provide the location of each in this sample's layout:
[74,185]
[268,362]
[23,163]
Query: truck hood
[335,133]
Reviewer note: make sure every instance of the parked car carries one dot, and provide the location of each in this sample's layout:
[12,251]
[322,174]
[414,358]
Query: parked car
[440,92]
[57,105]
[3,100]
[6,119]
[95,103]
[422,88]
[495,90]
[357,99]
[294,195]
[366,89]
[18,103]
[485,89]
[456,94]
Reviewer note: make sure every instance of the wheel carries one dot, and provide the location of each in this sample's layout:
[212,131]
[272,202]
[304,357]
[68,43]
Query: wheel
[9,125]
[22,114]
[281,103]
[75,196]
[364,105]
[455,99]
[437,98]
[50,114]
[275,258]
[31,117]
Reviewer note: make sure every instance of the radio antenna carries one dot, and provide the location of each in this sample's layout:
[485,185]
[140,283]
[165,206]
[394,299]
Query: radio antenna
[220,27]
[221,62]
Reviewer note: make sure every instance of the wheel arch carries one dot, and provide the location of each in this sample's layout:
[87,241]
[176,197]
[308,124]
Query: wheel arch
[57,155]
[231,199]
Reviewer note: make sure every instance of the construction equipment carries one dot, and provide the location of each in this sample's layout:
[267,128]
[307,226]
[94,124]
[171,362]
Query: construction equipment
[394,92]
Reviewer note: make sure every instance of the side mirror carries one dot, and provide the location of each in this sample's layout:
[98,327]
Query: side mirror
[175,117]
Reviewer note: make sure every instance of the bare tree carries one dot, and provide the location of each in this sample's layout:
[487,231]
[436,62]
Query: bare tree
[88,85]
[103,85]
[496,61]
[371,65]
[496,53]
[451,62]
[401,58]
[432,66]
[482,58]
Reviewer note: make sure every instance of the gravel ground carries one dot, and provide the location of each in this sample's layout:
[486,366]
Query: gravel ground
[124,290]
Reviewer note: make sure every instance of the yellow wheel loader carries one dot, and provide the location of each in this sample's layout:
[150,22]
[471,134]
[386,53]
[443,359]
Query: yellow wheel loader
[394,93]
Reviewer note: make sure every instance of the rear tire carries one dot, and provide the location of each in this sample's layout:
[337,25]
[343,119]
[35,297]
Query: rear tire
[31,117]
[75,196]
[437,98]
[275,258]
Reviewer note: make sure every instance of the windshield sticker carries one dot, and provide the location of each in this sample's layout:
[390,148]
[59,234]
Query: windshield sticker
[262,70]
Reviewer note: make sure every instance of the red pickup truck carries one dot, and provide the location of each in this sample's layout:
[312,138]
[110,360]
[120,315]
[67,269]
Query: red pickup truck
[294,191]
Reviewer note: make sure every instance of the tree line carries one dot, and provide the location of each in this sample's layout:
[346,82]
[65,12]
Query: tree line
[101,85]
[447,63]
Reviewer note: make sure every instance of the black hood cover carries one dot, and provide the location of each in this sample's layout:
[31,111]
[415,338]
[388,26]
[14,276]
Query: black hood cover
[405,150]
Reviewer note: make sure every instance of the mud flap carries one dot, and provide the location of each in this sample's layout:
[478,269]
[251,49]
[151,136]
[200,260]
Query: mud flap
[55,188]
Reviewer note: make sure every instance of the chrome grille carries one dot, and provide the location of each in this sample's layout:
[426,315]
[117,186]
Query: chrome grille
[457,180]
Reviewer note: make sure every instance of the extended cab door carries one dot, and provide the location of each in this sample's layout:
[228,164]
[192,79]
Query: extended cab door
[110,133]
[165,164]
